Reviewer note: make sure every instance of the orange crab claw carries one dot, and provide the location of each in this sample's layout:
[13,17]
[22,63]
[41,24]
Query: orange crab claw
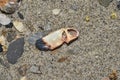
[57,38]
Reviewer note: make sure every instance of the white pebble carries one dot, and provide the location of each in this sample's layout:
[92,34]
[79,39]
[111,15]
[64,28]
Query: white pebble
[24,78]
[4,20]
[56,11]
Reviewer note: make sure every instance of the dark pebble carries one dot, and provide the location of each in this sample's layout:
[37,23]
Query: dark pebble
[0,25]
[41,45]
[20,15]
[1,49]
[118,5]
[15,50]
[10,25]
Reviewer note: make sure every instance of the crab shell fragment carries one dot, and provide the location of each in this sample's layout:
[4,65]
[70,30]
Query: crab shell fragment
[9,6]
[57,38]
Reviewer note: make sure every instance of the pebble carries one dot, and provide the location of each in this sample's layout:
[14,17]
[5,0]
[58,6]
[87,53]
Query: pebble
[24,78]
[87,18]
[56,11]
[10,6]
[3,63]
[22,70]
[4,20]
[35,69]
[105,3]
[1,49]
[11,35]
[74,7]
[15,50]
[10,25]
[20,15]
[113,15]
[32,38]
[19,26]
[118,4]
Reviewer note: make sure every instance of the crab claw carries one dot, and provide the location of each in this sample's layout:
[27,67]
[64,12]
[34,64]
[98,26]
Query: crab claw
[57,38]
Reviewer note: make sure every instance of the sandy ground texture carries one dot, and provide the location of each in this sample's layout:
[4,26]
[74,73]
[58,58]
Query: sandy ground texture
[91,57]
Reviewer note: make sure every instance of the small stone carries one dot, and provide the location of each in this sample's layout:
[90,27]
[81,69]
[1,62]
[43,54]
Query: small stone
[1,49]
[56,11]
[35,69]
[118,4]
[105,3]
[87,18]
[3,63]
[15,50]
[11,35]
[24,78]
[32,38]
[22,70]
[10,6]
[4,20]
[19,26]
[10,25]
[113,15]
[20,15]
[74,7]
[48,27]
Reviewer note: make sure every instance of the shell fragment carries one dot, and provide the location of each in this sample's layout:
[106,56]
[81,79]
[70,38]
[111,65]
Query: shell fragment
[19,26]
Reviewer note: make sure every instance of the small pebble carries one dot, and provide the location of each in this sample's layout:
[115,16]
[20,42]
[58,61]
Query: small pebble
[10,25]
[32,38]
[56,11]
[4,20]
[19,26]
[3,63]
[74,7]
[35,69]
[87,18]
[118,4]
[22,70]
[11,35]
[105,3]
[1,49]
[10,6]
[20,15]
[24,78]
[15,50]
[113,15]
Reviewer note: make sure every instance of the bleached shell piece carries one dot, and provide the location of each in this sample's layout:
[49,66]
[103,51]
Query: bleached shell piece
[56,11]
[3,43]
[2,40]
[24,78]
[19,26]
[4,20]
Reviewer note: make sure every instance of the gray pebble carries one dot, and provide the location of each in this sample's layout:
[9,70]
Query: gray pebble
[11,36]
[32,38]
[105,3]
[35,69]
[15,50]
